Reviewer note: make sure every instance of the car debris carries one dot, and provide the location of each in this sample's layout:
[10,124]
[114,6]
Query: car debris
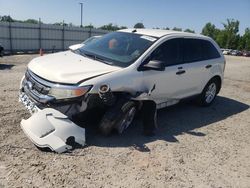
[50,128]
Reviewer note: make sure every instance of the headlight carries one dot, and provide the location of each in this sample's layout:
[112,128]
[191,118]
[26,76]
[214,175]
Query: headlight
[68,91]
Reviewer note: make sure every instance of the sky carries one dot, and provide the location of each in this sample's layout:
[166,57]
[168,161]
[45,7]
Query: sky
[193,14]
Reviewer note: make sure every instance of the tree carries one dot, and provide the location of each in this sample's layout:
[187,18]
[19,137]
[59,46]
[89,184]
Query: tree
[90,26]
[71,25]
[6,19]
[177,29]
[189,31]
[110,27]
[139,25]
[166,28]
[221,39]
[31,21]
[210,30]
[244,43]
[123,27]
[231,29]
[227,37]
[60,24]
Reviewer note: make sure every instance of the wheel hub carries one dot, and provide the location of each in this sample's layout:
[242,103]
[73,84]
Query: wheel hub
[210,93]
[127,120]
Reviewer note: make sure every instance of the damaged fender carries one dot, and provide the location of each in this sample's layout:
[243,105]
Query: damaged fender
[50,128]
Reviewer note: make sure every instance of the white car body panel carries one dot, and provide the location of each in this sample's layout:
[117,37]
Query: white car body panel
[71,68]
[50,128]
[68,67]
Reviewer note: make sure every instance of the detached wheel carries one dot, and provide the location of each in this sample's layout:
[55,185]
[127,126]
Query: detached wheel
[119,117]
[209,93]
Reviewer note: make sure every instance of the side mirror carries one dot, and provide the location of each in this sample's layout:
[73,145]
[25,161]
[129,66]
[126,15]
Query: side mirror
[153,65]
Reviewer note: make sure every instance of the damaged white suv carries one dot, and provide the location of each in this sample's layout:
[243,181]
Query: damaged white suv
[120,71]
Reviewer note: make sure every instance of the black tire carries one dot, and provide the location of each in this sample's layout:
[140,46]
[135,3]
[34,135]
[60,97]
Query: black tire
[114,116]
[1,51]
[204,99]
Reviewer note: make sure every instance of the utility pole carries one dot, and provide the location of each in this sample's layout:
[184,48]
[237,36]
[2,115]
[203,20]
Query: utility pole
[81,13]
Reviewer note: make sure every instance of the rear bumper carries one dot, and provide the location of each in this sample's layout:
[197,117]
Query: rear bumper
[50,128]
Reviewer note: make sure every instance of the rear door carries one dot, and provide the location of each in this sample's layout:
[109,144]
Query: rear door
[194,65]
[198,56]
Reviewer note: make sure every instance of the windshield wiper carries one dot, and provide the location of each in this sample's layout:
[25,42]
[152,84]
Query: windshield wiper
[97,58]
[92,56]
[104,60]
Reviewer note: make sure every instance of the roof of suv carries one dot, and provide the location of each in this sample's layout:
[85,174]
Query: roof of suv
[158,32]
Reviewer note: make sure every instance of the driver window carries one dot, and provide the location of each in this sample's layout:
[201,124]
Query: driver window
[169,52]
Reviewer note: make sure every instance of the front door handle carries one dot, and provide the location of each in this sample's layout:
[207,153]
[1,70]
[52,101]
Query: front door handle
[208,66]
[180,72]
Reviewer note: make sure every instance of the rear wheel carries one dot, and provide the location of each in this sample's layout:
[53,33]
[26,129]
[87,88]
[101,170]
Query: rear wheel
[119,118]
[209,93]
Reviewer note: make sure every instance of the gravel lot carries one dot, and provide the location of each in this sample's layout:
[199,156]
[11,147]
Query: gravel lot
[194,146]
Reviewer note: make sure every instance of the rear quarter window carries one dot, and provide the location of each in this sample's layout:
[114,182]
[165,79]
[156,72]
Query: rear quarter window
[209,50]
[198,50]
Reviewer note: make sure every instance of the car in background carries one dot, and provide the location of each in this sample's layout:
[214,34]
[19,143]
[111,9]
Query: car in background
[222,50]
[226,52]
[1,50]
[246,53]
[236,53]
[77,46]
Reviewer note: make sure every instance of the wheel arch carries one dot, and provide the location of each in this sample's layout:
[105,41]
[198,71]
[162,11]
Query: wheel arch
[219,81]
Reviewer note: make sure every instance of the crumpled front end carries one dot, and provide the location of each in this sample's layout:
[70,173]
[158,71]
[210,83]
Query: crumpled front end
[50,128]
[36,94]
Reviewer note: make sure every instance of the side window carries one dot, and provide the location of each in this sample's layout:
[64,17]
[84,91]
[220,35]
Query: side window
[192,50]
[169,52]
[209,51]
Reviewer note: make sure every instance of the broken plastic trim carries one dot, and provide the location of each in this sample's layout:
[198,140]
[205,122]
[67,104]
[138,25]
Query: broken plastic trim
[50,128]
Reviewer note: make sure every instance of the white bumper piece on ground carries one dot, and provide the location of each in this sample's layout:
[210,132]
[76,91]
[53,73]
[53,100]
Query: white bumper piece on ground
[50,128]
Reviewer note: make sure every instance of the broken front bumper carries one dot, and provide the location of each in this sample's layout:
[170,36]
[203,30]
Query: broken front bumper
[50,128]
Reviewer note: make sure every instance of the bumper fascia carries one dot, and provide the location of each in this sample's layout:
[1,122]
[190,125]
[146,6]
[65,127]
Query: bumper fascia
[50,128]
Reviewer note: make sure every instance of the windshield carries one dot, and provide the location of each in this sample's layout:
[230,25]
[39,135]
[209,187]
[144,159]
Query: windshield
[117,48]
[91,39]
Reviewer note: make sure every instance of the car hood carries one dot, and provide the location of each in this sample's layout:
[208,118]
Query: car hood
[68,67]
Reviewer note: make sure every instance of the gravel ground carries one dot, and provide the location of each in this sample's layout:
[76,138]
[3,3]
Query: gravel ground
[194,146]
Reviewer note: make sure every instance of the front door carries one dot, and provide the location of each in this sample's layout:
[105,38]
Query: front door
[174,82]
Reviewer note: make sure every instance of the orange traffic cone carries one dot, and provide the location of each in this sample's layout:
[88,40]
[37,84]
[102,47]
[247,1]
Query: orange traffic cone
[41,52]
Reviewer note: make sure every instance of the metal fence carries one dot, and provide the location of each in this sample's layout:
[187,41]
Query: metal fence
[23,37]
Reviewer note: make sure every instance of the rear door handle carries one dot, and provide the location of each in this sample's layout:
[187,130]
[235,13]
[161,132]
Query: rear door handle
[180,72]
[208,66]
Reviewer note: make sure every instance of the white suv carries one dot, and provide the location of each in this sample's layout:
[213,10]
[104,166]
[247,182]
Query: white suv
[121,70]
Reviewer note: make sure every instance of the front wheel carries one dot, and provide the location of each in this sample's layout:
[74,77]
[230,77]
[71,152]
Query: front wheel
[119,118]
[127,117]
[209,93]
